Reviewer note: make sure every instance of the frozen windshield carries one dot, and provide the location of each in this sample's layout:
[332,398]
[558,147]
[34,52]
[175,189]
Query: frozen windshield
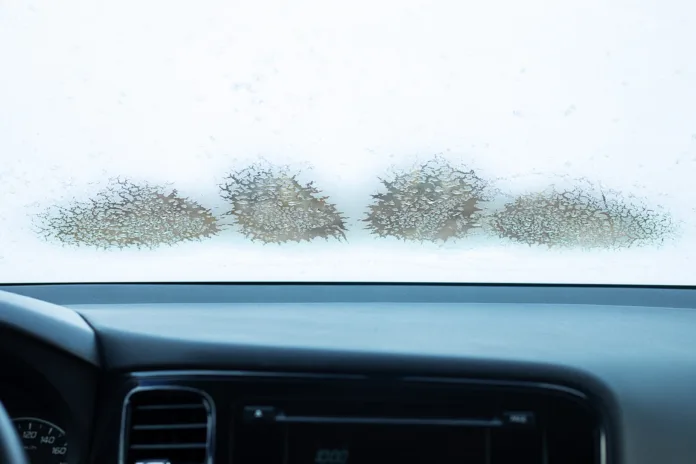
[313,140]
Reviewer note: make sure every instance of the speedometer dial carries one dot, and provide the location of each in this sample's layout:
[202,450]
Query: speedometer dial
[44,442]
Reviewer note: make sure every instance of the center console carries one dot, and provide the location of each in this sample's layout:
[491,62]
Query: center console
[284,418]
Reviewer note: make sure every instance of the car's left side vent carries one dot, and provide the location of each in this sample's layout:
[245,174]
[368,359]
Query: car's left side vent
[168,426]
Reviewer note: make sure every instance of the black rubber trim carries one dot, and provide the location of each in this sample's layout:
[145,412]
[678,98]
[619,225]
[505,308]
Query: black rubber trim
[74,294]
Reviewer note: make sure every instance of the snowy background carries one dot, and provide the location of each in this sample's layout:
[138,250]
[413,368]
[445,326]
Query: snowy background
[183,92]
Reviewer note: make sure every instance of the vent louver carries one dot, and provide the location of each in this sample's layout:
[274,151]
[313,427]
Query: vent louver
[168,426]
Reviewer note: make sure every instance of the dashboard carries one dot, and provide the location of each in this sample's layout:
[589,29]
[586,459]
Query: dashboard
[341,374]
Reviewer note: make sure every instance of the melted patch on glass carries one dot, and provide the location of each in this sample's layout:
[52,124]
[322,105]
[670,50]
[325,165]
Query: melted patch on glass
[432,202]
[126,214]
[581,218]
[270,205]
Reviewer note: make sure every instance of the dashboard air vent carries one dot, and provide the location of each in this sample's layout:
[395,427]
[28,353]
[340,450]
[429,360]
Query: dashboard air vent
[168,426]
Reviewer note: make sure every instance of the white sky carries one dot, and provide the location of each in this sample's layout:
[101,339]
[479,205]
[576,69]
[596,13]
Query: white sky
[181,92]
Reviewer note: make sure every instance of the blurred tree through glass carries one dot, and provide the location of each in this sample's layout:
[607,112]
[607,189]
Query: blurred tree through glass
[126,214]
[269,205]
[432,202]
[581,218]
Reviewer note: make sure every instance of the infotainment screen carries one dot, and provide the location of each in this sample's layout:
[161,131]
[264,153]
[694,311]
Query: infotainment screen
[381,444]
[266,435]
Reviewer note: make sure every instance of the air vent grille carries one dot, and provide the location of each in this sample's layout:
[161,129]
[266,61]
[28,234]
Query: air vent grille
[168,425]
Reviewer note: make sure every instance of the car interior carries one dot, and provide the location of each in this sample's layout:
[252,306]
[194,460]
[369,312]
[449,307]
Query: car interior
[359,373]
[347,232]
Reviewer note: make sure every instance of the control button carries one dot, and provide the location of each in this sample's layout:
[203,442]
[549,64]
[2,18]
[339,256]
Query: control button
[259,413]
[519,418]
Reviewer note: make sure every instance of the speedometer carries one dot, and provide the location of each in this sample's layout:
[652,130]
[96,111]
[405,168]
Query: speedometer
[44,442]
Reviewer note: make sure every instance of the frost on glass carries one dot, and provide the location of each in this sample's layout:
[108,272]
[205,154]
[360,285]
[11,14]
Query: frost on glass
[127,214]
[270,205]
[581,217]
[432,202]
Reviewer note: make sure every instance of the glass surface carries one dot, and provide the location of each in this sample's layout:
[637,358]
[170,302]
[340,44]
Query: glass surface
[395,140]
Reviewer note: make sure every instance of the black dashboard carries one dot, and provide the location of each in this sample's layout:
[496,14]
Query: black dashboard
[340,374]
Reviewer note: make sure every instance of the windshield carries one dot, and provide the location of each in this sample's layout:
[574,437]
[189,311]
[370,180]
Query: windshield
[416,141]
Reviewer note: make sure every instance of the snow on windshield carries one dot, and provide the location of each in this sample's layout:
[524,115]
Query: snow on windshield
[418,141]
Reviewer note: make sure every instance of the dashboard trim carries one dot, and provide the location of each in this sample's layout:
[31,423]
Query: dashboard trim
[603,456]
[194,374]
[60,327]
[198,374]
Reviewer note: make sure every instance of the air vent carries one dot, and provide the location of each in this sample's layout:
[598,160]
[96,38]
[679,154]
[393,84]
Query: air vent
[172,426]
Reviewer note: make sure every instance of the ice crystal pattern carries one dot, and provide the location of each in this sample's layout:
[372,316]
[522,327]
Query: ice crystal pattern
[270,205]
[433,202]
[581,218]
[127,214]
